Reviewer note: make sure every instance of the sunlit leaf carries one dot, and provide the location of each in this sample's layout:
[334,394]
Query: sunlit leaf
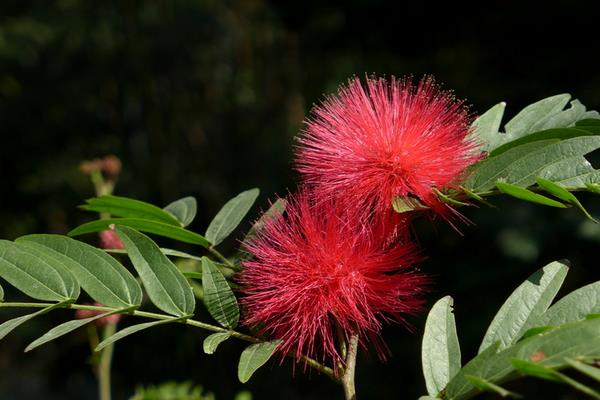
[535,115]
[575,306]
[548,134]
[440,349]
[484,175]
[524,171]
[578,340]
[524,307]
[485,127]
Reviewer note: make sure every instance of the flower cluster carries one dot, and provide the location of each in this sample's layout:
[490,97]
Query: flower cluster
[340,261]
[386,140]
[314,271]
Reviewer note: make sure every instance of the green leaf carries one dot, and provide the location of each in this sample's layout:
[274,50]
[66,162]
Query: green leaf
[218,297]
[273,212]
[524,171]
[560,161]
[536,370]
[575,306]
[447,199]
[136,328]
[487,386]
[542,372]
[567,117]
[34,276]
[524,307]
[534,115]
[129,208]
[8,326]
[563,194]
[527,195]
[229,217]
[68,327]
[460,384]
[485,127]
[592,372]
[57,261]
[183,209]
[165,251]
[213,341]
[593,187]
[578,340]
[192,274]
[538,330]
[475,196]
[440,349]
[573,173]
[143,225]
[407,204]
[555,133]
[427,398]
[253,357]
[484,175]
[99,274]
[588,122]
[1,294]
[166,286]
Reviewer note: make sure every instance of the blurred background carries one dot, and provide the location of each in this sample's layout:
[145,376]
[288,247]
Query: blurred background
[204,98]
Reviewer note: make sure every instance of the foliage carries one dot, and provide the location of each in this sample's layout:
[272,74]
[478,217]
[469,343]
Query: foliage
[542,151]
[519,341]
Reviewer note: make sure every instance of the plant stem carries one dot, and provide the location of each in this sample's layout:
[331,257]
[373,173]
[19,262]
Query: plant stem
[223,259]
[348,377]
[104,367]
[199,324]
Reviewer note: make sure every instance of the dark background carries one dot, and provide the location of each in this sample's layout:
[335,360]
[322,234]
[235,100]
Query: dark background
[204,98]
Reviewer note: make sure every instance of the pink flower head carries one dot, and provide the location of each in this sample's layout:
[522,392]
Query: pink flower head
[111,319]
[386,139]
[315,270]
[110,240]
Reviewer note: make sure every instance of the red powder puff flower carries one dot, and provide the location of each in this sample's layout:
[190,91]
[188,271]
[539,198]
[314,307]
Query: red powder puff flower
[315,270]
[376,142]
[110,240]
